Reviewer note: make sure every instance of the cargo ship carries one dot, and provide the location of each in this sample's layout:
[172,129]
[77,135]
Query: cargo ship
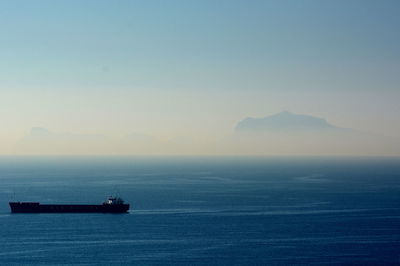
[111,205]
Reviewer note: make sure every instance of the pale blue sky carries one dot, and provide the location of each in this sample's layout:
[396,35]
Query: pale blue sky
[155,66]
[200,44]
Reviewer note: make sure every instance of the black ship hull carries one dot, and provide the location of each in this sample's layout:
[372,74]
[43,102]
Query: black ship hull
[35,207]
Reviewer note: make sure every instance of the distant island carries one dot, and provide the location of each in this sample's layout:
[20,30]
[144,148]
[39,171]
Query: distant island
[284,121]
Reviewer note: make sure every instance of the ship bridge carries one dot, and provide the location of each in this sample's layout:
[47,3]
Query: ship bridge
[114,201]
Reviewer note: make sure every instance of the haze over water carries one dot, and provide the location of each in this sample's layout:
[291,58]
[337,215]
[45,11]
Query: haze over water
[204,211]
[175,78]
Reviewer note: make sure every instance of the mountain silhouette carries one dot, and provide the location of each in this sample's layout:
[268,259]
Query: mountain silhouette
[284,121]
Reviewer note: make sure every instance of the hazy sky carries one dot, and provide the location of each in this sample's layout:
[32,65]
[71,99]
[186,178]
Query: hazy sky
[195,68]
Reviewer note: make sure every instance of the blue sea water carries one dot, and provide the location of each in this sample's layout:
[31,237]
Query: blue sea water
[204,211]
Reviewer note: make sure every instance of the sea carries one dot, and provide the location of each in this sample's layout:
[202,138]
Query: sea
[204,211]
